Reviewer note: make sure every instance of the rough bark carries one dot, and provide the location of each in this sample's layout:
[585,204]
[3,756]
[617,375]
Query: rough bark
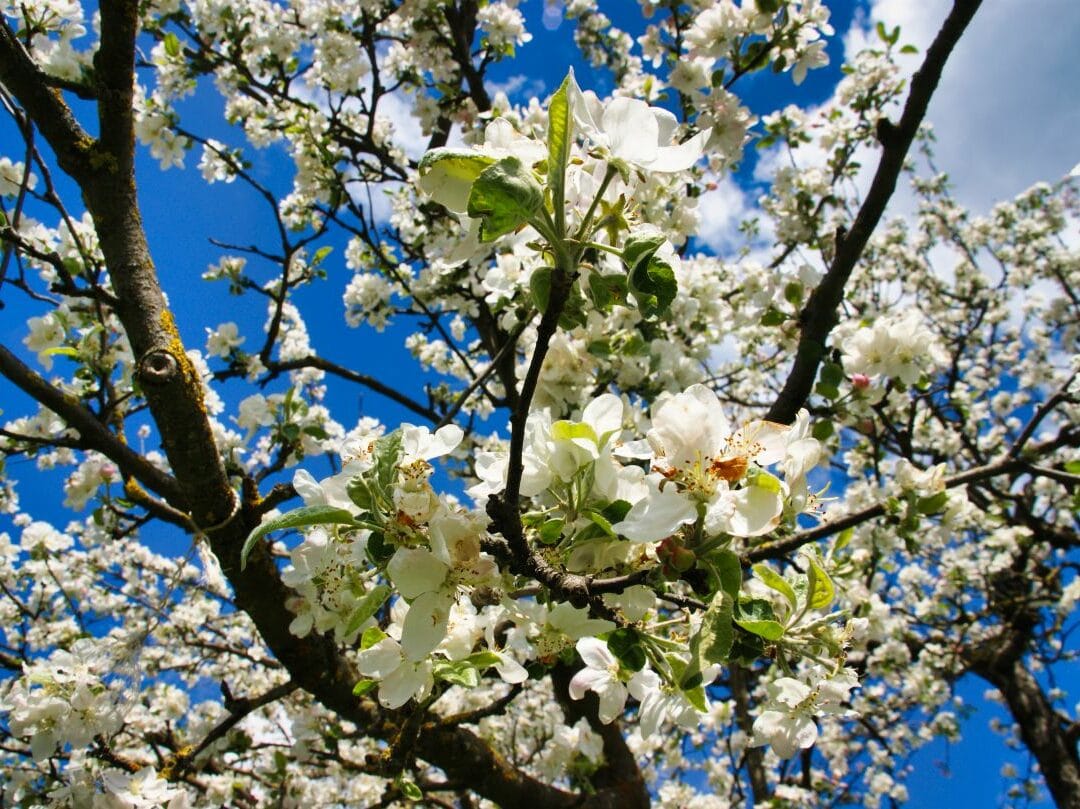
[104,171]
[1043,730]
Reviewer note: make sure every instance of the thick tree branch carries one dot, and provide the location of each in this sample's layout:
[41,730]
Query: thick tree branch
[93,434]
[1041,728]
[620,776]
[820,314]
[29,84]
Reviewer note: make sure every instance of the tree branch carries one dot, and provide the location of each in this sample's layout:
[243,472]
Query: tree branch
[819,316]
[93,434]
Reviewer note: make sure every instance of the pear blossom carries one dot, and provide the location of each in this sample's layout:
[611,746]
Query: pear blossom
[658,514]
[11,177]
[661,703]
[786,723]
[601,675]
[221,341]
[630,131]
[144,789]
[422,579]
[400,679]
[899,347]
[46,332]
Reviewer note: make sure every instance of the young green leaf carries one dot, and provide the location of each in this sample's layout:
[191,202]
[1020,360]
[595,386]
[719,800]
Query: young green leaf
[560,133]
[770,578]
[756,616]
[713,640]
[820,591]
[368,606]
[363,687]
[371,636]
[625,645]
[447,175]
[654,286]
[297,518]
[504,197]
[387,452]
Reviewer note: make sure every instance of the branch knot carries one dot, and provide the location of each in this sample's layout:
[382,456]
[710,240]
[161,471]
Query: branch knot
[158,367]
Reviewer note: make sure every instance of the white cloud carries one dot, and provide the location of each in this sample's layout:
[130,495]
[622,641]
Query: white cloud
[722,209]
[397,108]
[1007,110]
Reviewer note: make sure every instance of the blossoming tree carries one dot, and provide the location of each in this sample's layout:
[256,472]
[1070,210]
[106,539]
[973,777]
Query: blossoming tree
[595,560]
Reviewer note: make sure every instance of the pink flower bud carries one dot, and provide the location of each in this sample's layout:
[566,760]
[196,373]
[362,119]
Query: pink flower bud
[860,381]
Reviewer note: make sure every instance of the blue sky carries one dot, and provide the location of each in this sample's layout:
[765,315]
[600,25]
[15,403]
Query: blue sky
[1006,115]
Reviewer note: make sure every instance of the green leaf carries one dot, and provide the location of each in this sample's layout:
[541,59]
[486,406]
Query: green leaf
[768,482]
[297,518]
[934,503]
[616,511]
[625,645]
[713,640]
[364,686]
[371,636]
[360,493]
[550,531]
[172,44]
[387,453]
[729,569]
[756,616]
[640,248]
[1073,467]
[461,672]
[767,6]
[560,136]
[61,351]
[604,290]
[820,591]
[793,293]
[654,286]
[447,175]
[601,521]
[773,317]
[368,606]
[540,287]
[770,578]
[716,634]
[831,373]
[409,789]
[378,549]
[830,392]
[599,348]
[504,197]
[823,430]
[484,660]
[564,430]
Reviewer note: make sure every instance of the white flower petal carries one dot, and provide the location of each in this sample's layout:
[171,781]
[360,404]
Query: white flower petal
[425,624]
[404,683]
[632,131]
[682,156]
[415,571]
[596,654]
[657,516]
[381,659]
[605,415]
